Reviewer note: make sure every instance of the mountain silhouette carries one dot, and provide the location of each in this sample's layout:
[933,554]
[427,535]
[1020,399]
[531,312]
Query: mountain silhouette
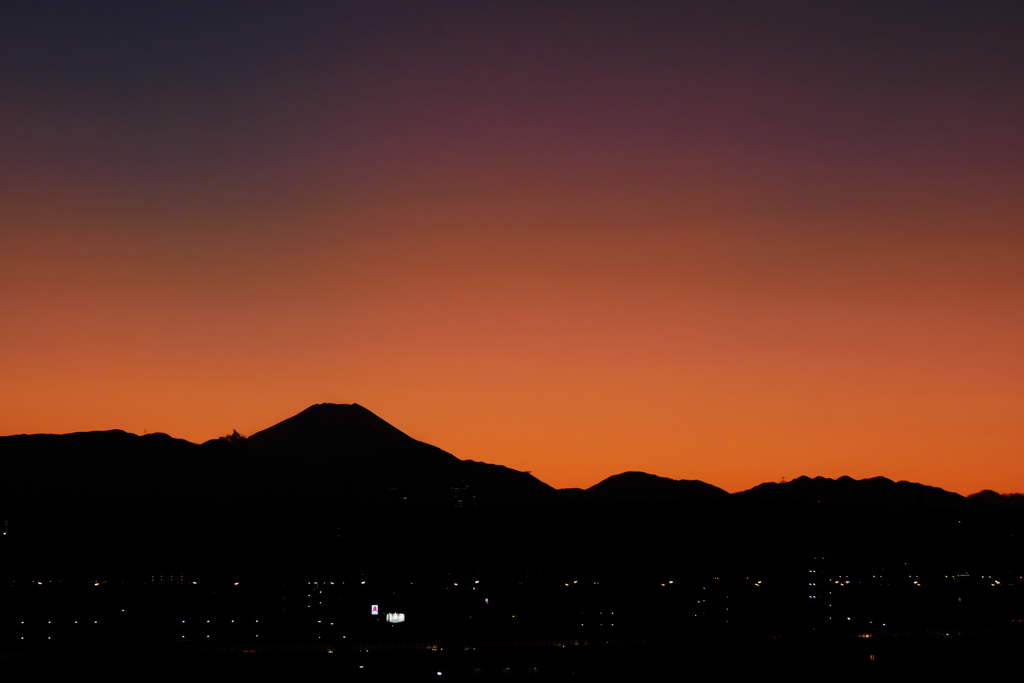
[329,460]
[640,487]
[315,465]
[327,429]
[876,492]
[335,492]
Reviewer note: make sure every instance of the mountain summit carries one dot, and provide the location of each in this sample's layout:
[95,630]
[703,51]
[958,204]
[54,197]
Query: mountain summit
[329,430]
[331,422]
[319,464]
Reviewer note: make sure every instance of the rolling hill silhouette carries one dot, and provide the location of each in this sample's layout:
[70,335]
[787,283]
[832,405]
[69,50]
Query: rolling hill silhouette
[640,487]
[878,492]
[330,459]
[336,483]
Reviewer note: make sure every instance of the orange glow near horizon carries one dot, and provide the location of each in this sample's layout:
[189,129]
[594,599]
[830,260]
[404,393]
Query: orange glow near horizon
[575,360]
[757,252]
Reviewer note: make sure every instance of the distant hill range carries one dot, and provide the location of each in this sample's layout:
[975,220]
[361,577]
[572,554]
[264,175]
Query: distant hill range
[331,460]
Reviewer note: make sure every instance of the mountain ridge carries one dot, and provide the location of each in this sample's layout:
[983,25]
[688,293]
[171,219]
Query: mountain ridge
[332,457]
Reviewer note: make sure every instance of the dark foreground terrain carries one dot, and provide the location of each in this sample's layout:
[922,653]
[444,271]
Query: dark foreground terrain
[333,544]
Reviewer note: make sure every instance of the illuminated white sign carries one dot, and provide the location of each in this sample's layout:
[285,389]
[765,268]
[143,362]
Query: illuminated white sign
[374,610]
[396,617]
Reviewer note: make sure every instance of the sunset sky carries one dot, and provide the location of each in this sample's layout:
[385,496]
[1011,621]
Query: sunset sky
[727,241]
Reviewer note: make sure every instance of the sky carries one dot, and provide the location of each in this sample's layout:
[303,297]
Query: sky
[728,241]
